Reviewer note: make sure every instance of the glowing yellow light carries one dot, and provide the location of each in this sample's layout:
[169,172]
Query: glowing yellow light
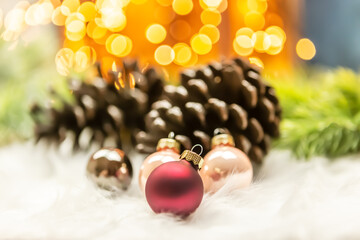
[88,10]
[194,59]
[180,30]
[182,53]
[245,31]
[223,6]
[113,19]
[109,41]
[94,31]
[128,49]
[164,3]
[256,61]
[69,6]
[182,7]
[277,31]
[118,45]
[211,31]
[156,33]
[211,16]
[84,57]
[276,45]
[64,61]
[58,18]
[76,26]
[261,41]
[257,5]
[243,45]
[39,14]
[164,55]
[254,20]
[305,49]
[75,36]
[74,17]
[201,44]
[212,3]
[138,2]
[15,20]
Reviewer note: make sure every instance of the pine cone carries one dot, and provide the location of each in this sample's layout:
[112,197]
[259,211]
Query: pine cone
[230,95]
[99,110]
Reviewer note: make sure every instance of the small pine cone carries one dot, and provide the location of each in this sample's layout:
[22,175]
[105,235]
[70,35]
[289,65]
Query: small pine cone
[99,111]
[230,95]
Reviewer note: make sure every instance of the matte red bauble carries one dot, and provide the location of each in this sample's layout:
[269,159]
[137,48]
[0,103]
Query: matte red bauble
[223,162]
[176,187]
[167,151]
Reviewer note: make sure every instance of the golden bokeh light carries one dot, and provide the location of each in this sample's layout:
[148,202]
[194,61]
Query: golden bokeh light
[58,18]
[245,31]
[305,49]
[257,5]
[182,7]
[254,20]
[155,33]
[88,10]
[197,30]
[84,58]
[69,6]
[212,3]
[211,16]
[261,40]
[201,44]
[164,55]
[183,54]
[276,45]
[243,45]
[211,31]
[64,61]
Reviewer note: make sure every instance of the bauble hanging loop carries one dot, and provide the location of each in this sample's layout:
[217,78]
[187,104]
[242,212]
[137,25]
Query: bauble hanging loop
[176,187]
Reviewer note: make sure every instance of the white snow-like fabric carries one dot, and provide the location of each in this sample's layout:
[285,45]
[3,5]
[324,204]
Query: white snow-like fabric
[44,194]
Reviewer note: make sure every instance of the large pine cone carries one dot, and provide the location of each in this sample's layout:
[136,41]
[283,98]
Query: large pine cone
[100,110]
[230,95]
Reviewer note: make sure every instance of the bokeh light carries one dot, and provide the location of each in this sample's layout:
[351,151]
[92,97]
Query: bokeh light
[189,31]
[305,49]
[155,33]
[201,44]
[164,55]
[182,7]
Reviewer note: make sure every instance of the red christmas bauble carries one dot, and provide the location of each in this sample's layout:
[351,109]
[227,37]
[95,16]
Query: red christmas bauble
[174,187]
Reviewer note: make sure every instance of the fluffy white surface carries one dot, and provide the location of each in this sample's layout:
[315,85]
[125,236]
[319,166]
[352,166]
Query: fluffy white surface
[45,194]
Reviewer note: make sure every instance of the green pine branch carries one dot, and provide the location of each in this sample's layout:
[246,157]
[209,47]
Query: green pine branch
[321,113]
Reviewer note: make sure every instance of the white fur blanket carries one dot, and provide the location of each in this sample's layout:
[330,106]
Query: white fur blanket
[44,194]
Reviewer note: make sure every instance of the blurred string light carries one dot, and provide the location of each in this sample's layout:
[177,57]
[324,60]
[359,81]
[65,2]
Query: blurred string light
[97,30]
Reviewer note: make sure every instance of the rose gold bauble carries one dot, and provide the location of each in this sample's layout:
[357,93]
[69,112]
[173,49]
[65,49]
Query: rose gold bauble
[167,151]
[223,162]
